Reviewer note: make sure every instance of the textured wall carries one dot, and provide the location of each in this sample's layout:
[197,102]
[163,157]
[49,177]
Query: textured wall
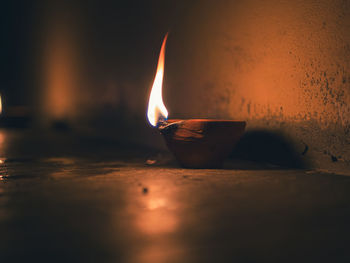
[280,65]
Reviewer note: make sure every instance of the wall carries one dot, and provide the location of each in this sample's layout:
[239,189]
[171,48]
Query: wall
[283,66]
[280,65]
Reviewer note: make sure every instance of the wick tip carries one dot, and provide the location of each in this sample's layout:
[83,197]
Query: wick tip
[162,124]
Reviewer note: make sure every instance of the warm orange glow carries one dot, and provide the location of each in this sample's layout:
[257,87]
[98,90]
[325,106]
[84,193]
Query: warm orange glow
[0,104]
[154,221]
[156,108]
[60,74]
[4,143]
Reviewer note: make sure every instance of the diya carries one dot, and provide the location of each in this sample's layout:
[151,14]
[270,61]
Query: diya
[195,143]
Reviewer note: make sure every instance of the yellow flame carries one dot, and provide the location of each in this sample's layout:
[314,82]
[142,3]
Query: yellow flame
[156,108]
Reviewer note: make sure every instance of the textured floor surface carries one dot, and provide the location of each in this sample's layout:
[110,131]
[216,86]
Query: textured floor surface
[79,208]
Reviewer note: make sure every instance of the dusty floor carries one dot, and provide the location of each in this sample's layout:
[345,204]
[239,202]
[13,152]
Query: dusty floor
[95,209]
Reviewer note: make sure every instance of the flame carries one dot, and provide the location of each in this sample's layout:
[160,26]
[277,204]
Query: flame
[156,109]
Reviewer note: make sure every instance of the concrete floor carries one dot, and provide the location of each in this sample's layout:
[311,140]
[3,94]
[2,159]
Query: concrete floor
[94,209]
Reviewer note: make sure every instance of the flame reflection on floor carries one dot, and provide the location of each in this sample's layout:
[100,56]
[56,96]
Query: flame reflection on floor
[156,217]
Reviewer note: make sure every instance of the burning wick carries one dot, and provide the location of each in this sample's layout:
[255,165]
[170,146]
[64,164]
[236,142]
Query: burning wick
[157,113]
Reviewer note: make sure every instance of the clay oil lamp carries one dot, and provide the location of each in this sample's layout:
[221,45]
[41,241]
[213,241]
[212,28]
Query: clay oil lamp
[195,143]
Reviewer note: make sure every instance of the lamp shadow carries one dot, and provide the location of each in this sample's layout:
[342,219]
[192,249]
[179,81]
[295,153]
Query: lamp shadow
[260,149]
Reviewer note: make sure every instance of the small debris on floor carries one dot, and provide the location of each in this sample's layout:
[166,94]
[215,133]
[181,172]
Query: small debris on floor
[151,162]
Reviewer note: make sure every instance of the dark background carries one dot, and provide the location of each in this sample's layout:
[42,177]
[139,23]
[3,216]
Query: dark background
[118,38]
